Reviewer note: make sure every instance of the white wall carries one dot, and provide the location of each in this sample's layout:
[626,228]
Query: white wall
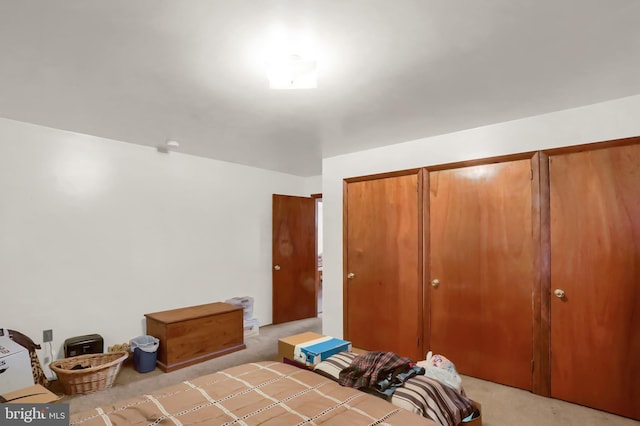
[599,122]
[94,233]
[313,185]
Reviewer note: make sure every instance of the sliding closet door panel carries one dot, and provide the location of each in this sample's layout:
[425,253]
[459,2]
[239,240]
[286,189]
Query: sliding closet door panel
[595,261]
[382,294]
[482,256]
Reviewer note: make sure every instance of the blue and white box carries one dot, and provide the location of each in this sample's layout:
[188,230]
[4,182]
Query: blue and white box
[314,351]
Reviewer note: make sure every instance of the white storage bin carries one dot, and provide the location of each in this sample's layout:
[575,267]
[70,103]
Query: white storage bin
[246,302]
[251,327]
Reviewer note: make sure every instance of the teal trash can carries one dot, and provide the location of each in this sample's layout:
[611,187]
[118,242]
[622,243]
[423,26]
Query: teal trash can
[145,353]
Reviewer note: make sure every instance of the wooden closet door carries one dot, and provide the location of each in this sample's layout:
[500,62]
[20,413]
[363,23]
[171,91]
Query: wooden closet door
[383,294]
[595,261]
[482,256]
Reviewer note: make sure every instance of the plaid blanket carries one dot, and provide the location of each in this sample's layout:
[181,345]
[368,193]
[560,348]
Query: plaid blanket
[366,370]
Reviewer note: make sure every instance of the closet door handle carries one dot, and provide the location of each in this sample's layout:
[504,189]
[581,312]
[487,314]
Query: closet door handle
[351,276]
[560,294]
[435,283]
[277,267]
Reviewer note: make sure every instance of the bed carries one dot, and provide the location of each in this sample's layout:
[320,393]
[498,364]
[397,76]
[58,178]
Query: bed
[265,393]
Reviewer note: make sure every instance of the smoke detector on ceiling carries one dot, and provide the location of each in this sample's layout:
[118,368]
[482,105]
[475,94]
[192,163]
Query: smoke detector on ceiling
[168,146]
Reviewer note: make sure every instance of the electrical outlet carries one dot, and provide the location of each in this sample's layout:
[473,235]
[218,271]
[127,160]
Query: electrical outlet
[47,335]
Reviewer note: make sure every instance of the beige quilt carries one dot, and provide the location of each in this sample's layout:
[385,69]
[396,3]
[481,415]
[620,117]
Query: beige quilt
[262,393]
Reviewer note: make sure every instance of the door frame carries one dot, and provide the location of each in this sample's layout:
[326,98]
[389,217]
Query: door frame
[544,298]
[274,311]
[318,198]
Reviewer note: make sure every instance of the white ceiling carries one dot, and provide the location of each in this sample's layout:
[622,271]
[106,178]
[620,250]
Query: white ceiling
[145,71]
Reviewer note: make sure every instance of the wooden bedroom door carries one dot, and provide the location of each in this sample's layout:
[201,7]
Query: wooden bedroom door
[382,284]
[295,259]
[595,278]
[482,270]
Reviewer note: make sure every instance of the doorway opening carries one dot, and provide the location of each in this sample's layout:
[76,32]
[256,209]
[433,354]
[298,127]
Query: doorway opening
[319,251]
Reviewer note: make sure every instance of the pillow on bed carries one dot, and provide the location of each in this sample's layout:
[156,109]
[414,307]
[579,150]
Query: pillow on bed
[420,394]
[332,366]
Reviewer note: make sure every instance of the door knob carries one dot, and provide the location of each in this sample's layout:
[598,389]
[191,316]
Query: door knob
[435,283]
[277,267]
[559,293]
[350,275]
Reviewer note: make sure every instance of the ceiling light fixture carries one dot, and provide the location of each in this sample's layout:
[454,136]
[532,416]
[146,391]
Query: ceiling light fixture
[293,72]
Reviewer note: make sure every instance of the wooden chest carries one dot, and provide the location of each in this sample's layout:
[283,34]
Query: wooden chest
[195,334]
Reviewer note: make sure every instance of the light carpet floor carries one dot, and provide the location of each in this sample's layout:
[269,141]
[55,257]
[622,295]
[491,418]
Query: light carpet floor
[507,406]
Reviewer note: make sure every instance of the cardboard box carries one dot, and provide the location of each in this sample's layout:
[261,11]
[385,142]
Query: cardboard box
[476,421]
[311,348]
[36,394]
[287,345]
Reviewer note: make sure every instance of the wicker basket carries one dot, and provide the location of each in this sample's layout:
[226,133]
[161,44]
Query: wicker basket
[99,372]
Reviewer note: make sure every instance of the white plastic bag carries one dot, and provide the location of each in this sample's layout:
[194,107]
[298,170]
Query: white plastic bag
[440,368]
